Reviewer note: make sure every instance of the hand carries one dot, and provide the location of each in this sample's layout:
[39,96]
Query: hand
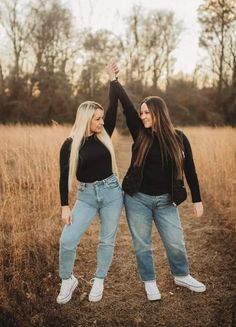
[198,209]
[112,70]
[66,215]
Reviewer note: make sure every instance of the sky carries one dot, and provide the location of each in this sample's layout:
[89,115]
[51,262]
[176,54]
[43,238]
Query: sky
[109,14]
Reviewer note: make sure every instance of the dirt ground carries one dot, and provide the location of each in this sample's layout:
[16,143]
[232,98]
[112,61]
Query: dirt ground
[211,249]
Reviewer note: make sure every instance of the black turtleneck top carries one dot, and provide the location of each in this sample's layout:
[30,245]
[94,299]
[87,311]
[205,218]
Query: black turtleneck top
[95,161]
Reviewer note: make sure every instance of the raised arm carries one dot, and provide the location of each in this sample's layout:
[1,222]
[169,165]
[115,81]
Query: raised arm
[132,118]
[133,121]
[110,117]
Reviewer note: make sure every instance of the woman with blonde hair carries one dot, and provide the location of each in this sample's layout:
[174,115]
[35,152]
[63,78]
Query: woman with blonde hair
[88,156]
[154,187]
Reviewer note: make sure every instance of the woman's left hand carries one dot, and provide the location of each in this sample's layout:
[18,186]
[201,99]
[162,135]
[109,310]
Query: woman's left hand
[198,209]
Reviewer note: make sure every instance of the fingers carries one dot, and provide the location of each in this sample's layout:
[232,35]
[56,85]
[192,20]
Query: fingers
[200,213]
[67,220]
[198,209]
[70,220]
[66,215]
[115,68]
[112,68]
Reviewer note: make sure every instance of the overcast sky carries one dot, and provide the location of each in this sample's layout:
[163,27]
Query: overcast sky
[109,14]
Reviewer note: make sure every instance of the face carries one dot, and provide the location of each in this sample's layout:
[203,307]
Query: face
[97,121]
[145,116]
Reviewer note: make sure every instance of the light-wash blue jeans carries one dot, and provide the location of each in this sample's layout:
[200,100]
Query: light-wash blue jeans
[141,211]
[104,198]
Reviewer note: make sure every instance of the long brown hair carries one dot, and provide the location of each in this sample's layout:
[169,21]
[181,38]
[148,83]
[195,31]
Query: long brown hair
[163,128]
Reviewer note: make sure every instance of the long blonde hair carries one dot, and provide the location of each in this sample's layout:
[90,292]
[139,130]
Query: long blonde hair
[79,131]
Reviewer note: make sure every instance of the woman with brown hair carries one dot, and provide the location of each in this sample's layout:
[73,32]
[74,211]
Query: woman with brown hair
[153,188]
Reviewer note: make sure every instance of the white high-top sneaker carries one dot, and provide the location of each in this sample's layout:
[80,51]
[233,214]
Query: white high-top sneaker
[152,290]
[190,282]
[67,288]
[96,292]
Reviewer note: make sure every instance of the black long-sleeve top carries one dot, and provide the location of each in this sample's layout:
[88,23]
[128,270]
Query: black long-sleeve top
[156,178]
[95,162]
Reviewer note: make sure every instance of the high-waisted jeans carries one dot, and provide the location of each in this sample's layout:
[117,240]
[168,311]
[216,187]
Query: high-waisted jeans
[104,198]
[141,211]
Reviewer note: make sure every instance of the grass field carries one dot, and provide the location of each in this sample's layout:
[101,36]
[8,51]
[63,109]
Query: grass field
[30,223]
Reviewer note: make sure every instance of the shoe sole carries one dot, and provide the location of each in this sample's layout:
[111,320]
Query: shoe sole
[199,289]
[67,299]
[154,297]
[95,298]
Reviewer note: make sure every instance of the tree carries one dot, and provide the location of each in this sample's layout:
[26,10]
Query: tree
[134,57]
[160,41]
[1,80]
[53,38]
[18,28]
[98,48]
[150,41]
[217,18]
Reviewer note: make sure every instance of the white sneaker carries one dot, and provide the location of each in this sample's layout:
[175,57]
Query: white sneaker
[190,282]
[152,290]
[96,292]
[67,288]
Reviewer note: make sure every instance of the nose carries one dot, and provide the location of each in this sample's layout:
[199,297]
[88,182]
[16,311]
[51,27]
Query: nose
[143,117]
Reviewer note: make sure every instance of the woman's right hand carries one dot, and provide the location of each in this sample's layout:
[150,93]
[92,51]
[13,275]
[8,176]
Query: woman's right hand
[198,209]
[112,70]
[66,215]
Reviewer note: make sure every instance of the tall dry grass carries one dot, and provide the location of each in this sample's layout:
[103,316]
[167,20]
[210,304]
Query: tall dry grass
[29,198]
[214,150]
[29,201]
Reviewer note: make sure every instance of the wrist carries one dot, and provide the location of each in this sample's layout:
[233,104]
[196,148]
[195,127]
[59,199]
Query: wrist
[114,79]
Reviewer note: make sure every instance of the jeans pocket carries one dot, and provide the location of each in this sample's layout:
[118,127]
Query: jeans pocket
[113,184]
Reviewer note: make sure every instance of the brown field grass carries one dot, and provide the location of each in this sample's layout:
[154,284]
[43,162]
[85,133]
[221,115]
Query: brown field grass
[214,150]
[30,223]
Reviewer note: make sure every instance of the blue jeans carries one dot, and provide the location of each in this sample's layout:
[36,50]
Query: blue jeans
[104,198]
[141,211]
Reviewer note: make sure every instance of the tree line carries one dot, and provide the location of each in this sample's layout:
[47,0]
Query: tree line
[52,66]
